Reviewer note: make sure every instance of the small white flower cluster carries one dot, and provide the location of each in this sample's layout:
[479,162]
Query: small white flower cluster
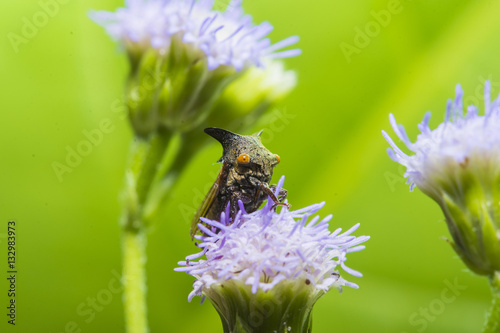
[263,248]
[228,38]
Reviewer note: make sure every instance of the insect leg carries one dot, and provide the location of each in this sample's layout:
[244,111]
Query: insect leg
[282,193]
[270,193]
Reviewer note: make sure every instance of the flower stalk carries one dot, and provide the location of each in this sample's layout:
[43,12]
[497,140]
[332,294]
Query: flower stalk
[458,166]
[492,324]
[146,155]
[134,279]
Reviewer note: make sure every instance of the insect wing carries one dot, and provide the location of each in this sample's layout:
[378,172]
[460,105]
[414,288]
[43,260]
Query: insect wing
[209,200]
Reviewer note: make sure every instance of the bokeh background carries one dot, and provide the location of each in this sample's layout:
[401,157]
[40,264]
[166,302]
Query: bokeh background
[64,79]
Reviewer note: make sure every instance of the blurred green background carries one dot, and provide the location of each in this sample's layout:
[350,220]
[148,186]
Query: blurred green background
[64,79]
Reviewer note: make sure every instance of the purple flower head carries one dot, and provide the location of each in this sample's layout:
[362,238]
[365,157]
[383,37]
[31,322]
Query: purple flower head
[458,165]
[464,142]
[226,38]
[265,248]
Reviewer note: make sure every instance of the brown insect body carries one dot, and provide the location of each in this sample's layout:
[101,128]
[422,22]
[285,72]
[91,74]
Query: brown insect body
[247,169]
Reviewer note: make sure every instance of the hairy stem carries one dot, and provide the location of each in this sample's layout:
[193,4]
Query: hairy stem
[493,317]
[134,297]
[146,156]
[187,148]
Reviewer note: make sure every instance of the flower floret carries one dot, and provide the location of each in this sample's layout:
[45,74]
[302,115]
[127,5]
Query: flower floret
[264,248]
[226,38]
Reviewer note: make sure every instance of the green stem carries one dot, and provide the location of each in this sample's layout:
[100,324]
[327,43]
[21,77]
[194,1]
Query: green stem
[493,319]
[146,156]
[188,146]
[134,272]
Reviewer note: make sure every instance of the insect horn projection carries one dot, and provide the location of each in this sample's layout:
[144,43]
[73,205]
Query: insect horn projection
[247,168]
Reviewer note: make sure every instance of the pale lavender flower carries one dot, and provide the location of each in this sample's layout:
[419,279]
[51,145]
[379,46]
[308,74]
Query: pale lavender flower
[462,141]
[192,66]
[228,38]
[265,248]
[458,165]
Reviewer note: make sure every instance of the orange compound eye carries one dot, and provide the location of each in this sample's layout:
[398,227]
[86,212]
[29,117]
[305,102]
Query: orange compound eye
[278,158]
[243,159]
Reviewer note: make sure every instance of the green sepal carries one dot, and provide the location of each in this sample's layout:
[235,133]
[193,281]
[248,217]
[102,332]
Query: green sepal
[141,94]
[470,208]
[287,307]
[491,241]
